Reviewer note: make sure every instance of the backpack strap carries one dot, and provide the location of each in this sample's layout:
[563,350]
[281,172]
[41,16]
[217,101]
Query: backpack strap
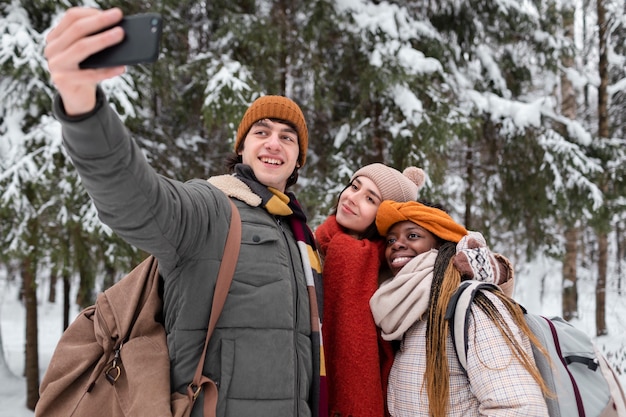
[458,311]
[222,286]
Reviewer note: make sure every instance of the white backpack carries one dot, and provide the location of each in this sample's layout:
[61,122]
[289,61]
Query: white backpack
[583,381]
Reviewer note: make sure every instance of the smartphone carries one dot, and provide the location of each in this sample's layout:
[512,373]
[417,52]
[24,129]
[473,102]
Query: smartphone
[142,36]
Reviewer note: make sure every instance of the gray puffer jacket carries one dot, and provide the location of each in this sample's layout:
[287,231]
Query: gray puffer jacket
[260,354]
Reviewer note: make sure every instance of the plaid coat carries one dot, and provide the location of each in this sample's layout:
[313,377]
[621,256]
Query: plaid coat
[496,383]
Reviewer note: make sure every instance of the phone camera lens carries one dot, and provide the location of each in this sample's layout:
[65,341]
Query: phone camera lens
[154,22]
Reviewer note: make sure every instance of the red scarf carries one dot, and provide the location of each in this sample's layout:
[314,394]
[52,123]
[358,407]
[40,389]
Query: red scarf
[358,360]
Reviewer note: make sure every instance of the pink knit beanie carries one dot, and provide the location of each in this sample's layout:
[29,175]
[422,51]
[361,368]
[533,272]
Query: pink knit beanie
[392,184]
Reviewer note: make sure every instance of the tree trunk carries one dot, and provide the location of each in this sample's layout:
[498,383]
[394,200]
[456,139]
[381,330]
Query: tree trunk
[66,277]
[603,244]
[85,265]
[66,298]
[52,291]
[603,133]
[31,368]
[570,287]
[569,110]
[4,367]
[109,276]
[469,180]
[620,256]
[587,38]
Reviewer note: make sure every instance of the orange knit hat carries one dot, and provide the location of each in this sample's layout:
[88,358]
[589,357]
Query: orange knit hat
[275,107]
[436,221]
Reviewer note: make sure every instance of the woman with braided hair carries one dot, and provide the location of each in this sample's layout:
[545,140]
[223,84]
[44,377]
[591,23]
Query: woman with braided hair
[426,378]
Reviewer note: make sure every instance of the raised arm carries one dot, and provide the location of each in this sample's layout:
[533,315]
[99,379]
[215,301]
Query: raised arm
[161,216]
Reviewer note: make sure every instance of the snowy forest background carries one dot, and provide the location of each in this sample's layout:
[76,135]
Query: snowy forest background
[516,109]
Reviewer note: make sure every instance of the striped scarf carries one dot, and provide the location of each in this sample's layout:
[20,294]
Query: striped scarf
[286,205]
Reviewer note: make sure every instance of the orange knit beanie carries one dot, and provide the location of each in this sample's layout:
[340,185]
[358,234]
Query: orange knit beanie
[275,107]
[435,220]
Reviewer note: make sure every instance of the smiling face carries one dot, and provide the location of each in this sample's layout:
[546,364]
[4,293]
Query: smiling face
[272,150]
[405,240]
[357,206]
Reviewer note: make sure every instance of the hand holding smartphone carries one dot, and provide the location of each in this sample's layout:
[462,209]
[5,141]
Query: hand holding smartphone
[142,36]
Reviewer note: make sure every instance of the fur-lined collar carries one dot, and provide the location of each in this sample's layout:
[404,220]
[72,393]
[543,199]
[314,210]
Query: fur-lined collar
[233,187]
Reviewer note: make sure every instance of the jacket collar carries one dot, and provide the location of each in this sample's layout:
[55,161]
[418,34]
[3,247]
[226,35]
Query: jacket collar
[234,187]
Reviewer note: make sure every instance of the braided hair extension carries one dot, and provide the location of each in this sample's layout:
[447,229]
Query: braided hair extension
[446,278]
[487,306]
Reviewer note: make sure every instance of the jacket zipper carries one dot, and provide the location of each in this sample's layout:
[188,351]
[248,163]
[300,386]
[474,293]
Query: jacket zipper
[294,287]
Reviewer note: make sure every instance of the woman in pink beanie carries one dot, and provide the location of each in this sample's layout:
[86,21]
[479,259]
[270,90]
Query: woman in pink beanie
[357,359]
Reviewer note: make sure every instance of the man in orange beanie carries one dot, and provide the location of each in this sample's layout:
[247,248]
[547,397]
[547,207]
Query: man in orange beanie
[265,352]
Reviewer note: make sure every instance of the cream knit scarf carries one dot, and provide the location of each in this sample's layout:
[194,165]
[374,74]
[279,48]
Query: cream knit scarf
[402,300]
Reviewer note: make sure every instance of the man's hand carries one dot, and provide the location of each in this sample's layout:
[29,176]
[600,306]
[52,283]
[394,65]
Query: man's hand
[69,43]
